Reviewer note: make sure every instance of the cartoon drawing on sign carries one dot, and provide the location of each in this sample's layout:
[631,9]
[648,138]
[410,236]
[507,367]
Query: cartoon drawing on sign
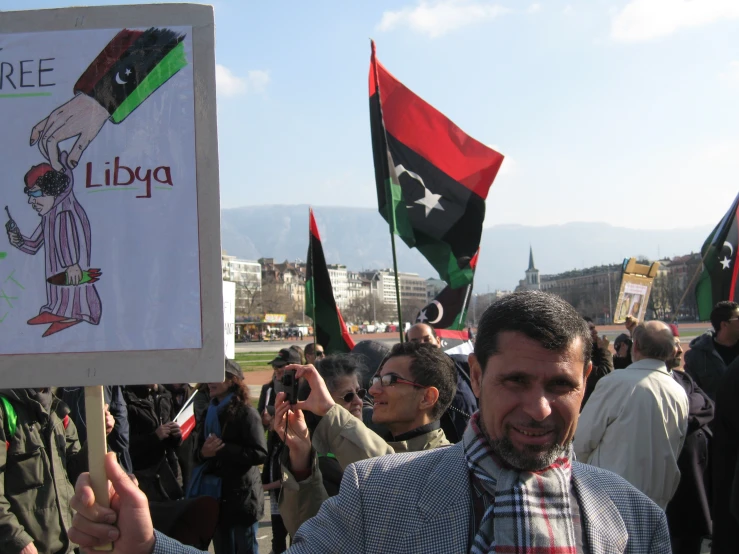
[64,233]
[131,67]
[128,70]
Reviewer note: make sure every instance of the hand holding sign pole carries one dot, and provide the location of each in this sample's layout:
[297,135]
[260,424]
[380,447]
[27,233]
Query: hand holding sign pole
[97,448]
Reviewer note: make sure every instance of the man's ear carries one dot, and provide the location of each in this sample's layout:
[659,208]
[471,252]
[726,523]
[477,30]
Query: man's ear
[587,371]
[430,398]
[475,375]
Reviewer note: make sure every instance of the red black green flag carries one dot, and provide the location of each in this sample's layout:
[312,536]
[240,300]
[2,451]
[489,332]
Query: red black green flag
[718,281]
[328,325]
[432,179]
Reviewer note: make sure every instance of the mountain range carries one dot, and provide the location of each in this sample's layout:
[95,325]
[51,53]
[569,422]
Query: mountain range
[359,239]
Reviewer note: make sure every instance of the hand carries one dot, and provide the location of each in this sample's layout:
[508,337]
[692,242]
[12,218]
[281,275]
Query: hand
[297,437]
[92,525]
[15,238]
[109,420]
[603,343]
[74,274]
[174,429]
[266,419]
[29,549]
[163,431]
[319,400]
[211,446]
[81,117]
[630,323]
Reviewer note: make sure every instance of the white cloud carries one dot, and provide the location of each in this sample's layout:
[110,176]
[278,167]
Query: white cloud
[642,20]
[436,18]
[533,8]
[731,75]
[229,84]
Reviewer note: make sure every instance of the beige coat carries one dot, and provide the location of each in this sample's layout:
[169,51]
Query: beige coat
[635,425]
[349,440]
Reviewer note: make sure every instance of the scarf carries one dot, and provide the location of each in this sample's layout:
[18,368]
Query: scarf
[201,482]
[530,510]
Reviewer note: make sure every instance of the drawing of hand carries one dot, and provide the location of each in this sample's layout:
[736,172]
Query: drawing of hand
[15,238]
[81,117]
[74,274]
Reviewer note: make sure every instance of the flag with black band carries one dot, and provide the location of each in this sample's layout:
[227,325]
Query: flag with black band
[130,68]
[718,281]
[448,310]
[432,179]
[328,325]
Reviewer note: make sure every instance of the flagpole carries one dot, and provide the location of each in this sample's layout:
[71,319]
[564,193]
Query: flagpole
[388,207]
[698,270]
[313,280]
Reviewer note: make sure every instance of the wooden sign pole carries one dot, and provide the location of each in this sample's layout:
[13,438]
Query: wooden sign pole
[97,448]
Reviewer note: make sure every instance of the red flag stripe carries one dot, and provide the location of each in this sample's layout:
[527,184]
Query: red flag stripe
[428,132]
[313,226]
[732,290]
[344,331]
[449,334]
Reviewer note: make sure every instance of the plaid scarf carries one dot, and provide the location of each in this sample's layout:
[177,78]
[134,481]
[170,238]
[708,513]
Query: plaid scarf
[530,510]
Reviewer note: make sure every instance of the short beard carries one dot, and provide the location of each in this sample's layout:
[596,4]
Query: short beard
[529,459]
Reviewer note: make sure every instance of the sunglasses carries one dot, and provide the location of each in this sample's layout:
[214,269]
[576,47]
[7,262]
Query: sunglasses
[390,379]
[320,354]
[349,396]
[34,193]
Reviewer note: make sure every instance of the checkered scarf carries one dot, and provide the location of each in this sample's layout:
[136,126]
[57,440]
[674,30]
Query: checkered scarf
[529,512]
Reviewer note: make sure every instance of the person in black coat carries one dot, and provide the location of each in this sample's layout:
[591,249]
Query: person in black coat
[725,457]
[230,447]
[154,438]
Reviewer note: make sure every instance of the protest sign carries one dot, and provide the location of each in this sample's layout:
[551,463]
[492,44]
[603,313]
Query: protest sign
[229,318]
[636,286]
[110,260]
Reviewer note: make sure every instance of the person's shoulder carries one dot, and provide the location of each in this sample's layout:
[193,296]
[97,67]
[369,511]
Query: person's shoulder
[601,483]
[409,466]
[702,342]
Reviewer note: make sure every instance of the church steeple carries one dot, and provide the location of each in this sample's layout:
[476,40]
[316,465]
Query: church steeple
[532,267]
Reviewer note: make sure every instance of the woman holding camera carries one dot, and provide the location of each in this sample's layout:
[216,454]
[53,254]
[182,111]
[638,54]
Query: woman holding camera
[230,447]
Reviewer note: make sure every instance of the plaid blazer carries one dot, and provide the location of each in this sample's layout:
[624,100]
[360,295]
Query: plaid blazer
[422,502]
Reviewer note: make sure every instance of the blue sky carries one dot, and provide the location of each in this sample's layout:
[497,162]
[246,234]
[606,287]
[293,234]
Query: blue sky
[623,111]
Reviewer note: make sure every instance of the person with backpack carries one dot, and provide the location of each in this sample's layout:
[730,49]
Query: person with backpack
[40,456]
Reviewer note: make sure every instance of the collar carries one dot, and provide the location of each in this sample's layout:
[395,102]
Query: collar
[650,364]
[418,431]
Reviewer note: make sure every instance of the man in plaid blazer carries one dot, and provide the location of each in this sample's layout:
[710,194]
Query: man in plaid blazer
[509,486]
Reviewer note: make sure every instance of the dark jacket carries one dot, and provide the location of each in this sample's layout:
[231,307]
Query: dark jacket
[118,439]
[602,365]
[37,470]
[268,389]
[464,404]
[704,364]
[236,464]
[689,511]
[725,457]
[147,410]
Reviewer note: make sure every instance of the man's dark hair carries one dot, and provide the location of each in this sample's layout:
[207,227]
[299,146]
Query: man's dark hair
[310,349]
[334,367]
[540,316]
[53,183]
[429,367]
[723,311]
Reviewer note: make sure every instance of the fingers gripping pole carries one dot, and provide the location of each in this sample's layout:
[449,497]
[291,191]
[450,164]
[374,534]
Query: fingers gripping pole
[97,448]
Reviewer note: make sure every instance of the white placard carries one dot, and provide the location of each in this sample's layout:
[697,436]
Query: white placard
[229,318]
[111,244]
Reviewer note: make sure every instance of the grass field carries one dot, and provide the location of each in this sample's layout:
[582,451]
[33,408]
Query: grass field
[255,361]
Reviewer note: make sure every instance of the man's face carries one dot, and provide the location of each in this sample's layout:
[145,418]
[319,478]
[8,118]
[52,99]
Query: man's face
[39,201]
[396,405]
[593,332]
[677,358]
[279,371]
[422,333]
[319,354]
[732,326]
[529,399]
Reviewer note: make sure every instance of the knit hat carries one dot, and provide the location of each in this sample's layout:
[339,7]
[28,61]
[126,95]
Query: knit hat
[673,328]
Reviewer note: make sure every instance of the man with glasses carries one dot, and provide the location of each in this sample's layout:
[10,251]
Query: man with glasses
[412,389]
[313,352]
[711,353]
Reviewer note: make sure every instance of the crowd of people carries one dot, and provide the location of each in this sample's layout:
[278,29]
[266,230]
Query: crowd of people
[545,439]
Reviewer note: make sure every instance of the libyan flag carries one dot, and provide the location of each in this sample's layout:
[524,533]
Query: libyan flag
[328,325]
[718,281]
[447,312]
[432,179]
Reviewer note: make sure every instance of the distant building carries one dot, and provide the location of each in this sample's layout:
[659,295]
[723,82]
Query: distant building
[433,288]
[247,275]
[339,283]
[531,282]
[289,277]
[412,287]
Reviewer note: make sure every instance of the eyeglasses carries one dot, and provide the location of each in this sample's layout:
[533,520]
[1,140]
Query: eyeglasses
[320,354]
[733,319]
[34,193]
[390,379]
[349,396]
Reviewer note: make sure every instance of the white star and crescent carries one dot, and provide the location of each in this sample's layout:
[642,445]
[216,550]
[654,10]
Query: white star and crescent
[726,262]
[422,316]
[430,201]
[118,76]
